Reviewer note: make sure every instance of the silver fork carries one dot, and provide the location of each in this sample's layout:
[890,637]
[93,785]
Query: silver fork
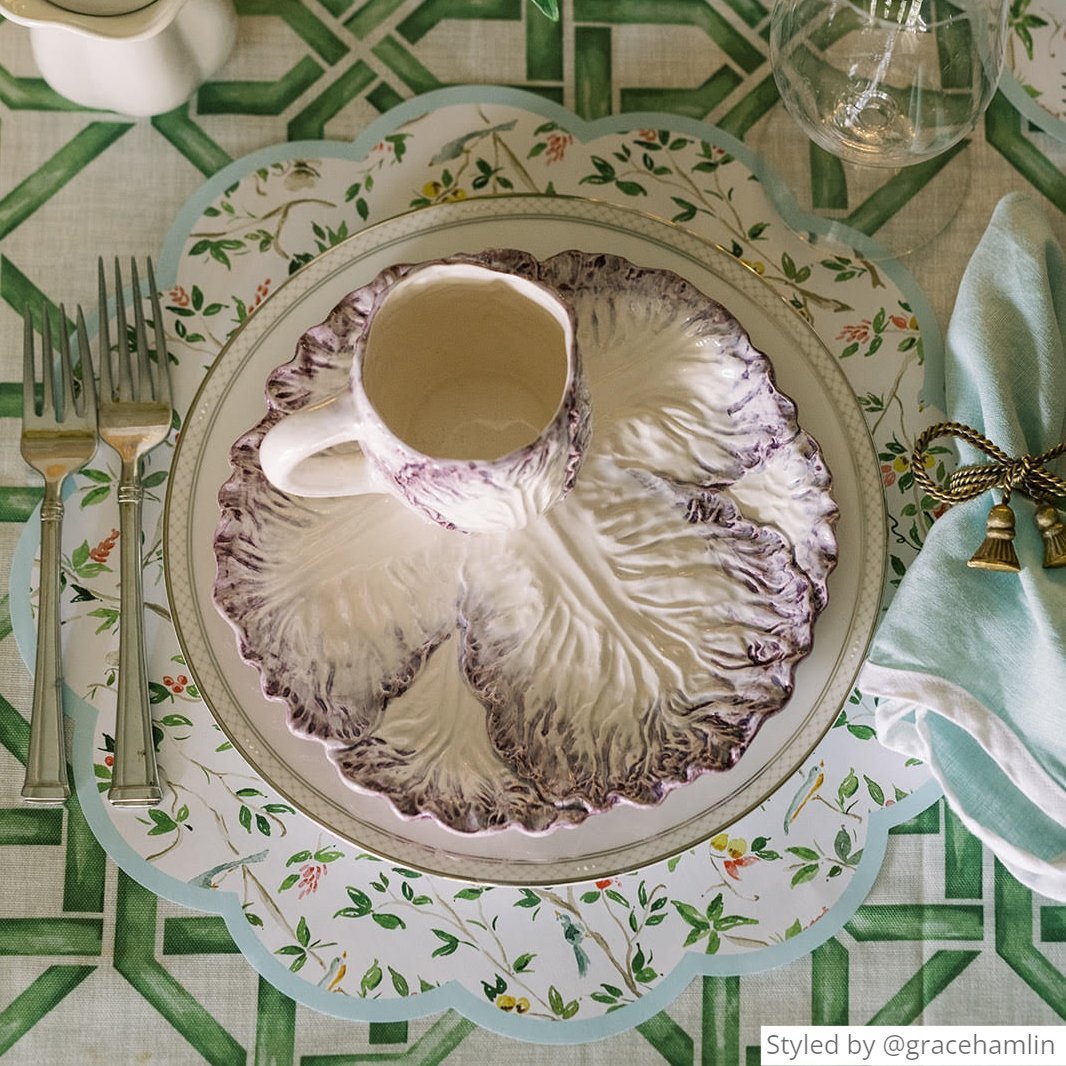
[135,415]
[56,442]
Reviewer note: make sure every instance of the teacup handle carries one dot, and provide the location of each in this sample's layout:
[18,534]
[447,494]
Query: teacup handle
[290,452]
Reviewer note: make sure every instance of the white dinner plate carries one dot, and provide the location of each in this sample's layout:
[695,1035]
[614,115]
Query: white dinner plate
[231,401]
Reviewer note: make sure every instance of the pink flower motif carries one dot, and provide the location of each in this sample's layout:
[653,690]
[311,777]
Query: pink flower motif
[888,474]
[557,146]
[859,332]
[310,872]
[179,297]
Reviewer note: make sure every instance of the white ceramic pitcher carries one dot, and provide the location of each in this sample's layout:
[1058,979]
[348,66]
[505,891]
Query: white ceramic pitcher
[137,57]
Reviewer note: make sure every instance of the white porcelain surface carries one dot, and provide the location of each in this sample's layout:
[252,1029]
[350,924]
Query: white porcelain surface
[626,526]
[465,402]
[142,62]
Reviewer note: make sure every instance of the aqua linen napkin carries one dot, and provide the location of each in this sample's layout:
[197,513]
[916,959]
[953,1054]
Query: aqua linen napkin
[968,666]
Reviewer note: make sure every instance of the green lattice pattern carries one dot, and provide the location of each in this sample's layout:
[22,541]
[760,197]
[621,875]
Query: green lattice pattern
[351,58]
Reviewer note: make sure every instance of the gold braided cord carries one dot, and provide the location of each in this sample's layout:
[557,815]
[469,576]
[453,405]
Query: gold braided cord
[1028,474]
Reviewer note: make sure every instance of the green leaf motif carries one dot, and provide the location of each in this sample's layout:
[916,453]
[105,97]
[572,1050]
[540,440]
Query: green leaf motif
[399,982]
[449,946]
[691,915]
[470,893]
[842,845]
[848,787]
[804,873]
[360,900]
[94,496]
[158,693]
[163,822]
[177,720]
[371,979]
[877,793]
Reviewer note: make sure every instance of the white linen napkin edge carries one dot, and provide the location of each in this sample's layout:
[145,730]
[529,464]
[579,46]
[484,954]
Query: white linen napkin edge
[913,692]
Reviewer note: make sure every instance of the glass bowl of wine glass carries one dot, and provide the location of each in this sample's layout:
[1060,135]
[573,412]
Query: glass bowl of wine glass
[888,84]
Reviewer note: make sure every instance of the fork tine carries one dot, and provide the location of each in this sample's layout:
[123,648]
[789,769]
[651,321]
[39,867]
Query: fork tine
[66,369]
[125,369]
[88,382]
[29,398]
[163,375]
[47,362]
[144,390]
[106,385]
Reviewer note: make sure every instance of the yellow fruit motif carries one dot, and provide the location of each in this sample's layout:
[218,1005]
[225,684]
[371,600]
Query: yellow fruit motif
[522,1005]
[720,842]
[737,847]
[506,1002]
[901,463]
[432,189]
[913,323]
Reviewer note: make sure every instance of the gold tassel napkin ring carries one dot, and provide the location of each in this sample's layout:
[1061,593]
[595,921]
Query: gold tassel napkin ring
[997,549]
[1027,475]
[1049,522]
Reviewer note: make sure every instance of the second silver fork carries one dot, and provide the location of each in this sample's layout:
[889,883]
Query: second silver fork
[134,415]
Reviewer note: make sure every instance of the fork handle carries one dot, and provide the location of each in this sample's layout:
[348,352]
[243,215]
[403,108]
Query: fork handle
[134,778]
[46,764]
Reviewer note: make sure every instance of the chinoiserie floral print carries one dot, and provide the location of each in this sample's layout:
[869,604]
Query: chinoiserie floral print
[1036,52]
[358,927]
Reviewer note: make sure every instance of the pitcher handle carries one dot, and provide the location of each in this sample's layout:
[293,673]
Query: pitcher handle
[291,452]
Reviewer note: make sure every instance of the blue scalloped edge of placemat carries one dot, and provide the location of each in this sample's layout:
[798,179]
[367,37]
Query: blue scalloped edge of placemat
[1030,108]
[453,996]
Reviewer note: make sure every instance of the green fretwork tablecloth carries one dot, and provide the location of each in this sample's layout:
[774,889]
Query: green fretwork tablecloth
[97,968]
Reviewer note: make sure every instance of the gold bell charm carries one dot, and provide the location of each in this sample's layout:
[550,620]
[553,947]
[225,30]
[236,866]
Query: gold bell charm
[997,550]
[1049,522]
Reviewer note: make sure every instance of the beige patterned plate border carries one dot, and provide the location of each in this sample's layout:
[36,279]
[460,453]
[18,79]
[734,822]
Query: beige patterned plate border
[617,840]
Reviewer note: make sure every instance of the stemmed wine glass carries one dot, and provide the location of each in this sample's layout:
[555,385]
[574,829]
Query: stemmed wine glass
[887,84]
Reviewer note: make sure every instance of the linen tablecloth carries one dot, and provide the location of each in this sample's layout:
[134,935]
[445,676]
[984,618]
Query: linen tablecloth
[98,968]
